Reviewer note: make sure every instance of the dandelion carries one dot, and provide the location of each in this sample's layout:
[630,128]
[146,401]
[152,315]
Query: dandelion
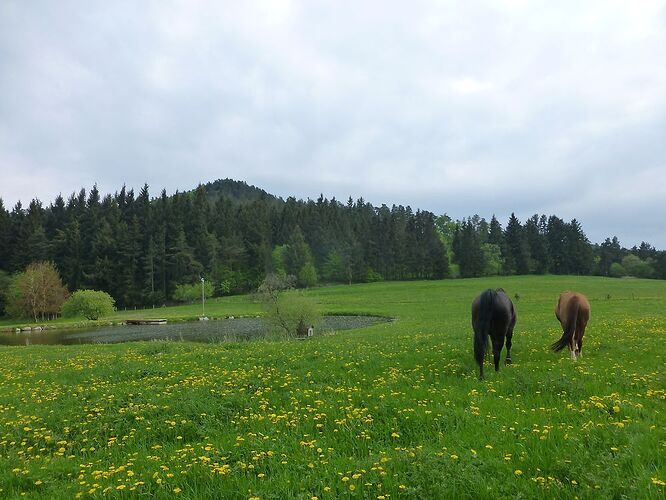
[658,482]
[177,490]
[518,472]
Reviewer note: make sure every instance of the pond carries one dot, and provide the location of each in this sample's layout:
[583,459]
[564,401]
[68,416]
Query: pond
[223,330]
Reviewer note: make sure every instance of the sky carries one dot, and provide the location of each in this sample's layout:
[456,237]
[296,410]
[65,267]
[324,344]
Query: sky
[454,107]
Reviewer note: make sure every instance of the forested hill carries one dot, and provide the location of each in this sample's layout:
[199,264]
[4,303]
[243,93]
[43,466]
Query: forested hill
[235,190]
[139,249]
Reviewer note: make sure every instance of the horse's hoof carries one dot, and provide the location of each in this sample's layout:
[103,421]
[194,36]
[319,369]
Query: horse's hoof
[508,361]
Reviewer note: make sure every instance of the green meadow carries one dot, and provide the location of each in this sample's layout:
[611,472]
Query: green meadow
[395,410]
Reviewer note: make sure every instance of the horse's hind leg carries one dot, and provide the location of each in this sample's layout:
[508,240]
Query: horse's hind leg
[497,349]
[572,347]
[509,335]
[580,343]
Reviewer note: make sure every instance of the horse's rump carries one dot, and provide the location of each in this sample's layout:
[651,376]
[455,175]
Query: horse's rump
[493,317]
[573,312]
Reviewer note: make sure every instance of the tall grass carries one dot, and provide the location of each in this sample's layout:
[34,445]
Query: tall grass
[394,410]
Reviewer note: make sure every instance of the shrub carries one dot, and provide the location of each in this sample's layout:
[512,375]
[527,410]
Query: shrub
[307,276]
[91,304]
[285,308]
[617,270]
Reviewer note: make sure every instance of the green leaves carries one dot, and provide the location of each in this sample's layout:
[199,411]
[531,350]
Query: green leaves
[91,304]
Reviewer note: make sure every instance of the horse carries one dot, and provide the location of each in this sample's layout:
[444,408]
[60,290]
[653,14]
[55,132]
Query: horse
[493,316]
[573,313]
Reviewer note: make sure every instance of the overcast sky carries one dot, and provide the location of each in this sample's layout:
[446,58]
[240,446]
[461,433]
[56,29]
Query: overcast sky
[453,107]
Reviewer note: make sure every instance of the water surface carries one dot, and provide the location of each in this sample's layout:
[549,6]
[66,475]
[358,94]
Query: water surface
[224,330]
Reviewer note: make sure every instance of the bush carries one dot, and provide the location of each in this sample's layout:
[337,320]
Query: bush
[91,304]
[372,276]
[617,270]
[307,276]
[637,267]
[285,308]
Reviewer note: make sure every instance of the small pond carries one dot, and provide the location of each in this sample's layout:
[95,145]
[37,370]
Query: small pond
[224,330]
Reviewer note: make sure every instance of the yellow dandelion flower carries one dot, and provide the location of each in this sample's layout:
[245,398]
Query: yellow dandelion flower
[518,472]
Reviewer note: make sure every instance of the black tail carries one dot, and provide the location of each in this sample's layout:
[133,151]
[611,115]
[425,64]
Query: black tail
[569,327]
[485,317]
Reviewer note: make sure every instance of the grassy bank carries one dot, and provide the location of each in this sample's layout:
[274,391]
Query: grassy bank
[218,308]
[394,410]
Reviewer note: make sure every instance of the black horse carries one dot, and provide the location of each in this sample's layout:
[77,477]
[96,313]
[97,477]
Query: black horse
[493,316]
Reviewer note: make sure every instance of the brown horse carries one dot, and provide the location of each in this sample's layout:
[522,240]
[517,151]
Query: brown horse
[573,312]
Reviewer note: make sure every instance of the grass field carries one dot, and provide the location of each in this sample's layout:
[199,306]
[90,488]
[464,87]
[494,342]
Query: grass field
[391,411]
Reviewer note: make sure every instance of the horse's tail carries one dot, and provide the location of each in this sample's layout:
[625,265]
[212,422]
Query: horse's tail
[485,316]
[569,326]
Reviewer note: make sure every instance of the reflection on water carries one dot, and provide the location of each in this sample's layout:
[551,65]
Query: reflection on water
[225,330]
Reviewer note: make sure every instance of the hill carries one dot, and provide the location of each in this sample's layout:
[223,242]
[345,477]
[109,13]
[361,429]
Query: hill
[238,191]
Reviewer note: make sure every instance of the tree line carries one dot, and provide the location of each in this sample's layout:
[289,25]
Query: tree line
[140,250]
[542,244]
[146,251]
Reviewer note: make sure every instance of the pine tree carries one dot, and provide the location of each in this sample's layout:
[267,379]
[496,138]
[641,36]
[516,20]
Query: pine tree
[517,254]
[467,249]
[537,244]
[5,238]
[557,237]
[608,252]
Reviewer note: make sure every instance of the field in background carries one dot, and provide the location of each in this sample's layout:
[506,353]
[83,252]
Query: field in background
[393,411]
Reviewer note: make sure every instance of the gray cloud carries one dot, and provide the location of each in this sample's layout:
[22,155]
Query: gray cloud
[462,107]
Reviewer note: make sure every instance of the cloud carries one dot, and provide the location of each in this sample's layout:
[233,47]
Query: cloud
[464,108]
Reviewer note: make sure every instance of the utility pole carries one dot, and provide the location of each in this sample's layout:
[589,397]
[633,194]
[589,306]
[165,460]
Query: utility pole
[203,299]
